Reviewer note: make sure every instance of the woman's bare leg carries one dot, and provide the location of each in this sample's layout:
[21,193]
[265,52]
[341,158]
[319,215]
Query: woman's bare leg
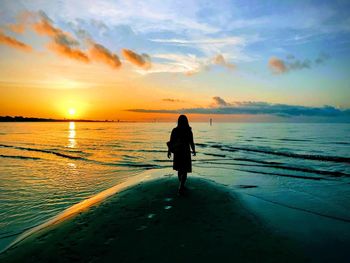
[183,180]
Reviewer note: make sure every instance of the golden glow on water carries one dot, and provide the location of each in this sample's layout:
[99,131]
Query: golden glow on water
[71,135]
[72,165]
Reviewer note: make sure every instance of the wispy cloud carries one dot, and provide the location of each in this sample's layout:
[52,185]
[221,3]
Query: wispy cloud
[172,100]
[61,43]
[98,52]
[232,45]
[277,65]
[322,57]
[219,102]
[12,42]
[204,41]
[24,19]
[299,64]
[65,50]
[220,60]
[143,60]
[17,28]
[188,64]
[145,16]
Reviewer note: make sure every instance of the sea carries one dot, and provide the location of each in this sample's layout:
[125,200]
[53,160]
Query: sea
[293,176]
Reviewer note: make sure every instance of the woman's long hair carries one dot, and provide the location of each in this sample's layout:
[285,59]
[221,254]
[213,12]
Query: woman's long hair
[182,122]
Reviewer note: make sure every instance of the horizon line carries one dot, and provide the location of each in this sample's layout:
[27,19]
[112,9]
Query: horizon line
[40,119]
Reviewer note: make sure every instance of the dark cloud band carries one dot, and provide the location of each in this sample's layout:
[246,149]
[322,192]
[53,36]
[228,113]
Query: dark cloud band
[258,108]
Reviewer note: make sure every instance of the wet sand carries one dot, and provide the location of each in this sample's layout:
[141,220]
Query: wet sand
[149,222]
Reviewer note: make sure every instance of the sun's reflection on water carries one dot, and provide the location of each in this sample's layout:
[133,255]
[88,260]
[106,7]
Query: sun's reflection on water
[72,165]
[71,135]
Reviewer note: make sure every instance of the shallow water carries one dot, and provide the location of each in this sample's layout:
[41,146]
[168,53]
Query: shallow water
[48,167]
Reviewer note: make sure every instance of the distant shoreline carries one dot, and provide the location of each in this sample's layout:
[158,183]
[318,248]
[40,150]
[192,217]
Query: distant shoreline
[32,119]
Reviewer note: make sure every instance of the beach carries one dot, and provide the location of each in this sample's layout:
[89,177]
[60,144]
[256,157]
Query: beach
[149,222]
[106,107]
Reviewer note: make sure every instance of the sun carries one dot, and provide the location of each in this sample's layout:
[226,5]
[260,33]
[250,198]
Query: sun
[72,111]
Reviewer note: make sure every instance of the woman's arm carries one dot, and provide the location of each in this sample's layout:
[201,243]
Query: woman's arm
[192,144]
[171,140]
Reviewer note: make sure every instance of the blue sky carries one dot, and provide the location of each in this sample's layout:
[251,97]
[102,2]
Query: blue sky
[289,52]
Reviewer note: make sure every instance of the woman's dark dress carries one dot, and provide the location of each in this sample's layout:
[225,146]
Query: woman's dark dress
[182,138]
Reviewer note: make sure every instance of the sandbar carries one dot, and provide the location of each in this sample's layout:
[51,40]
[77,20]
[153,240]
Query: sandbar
[150,222]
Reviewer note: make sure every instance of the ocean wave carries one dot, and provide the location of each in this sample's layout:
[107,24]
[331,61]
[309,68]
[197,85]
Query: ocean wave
[125,156]
[285,167]
[19,157]
[75,151]
[325,158]
[194,160]
[341,143]
[202,145]
[41,150]
[144,150]
[294,140]
[255,161]
[214,154]
[142,165]
[128,164]
[284,175]
[151,151]
[267,173]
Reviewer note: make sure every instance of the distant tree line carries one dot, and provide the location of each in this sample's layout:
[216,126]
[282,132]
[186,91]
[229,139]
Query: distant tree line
[32,119]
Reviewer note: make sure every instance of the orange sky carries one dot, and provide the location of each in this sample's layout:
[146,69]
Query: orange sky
[57,58]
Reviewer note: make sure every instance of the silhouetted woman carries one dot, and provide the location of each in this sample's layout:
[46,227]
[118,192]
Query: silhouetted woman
[181,140]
